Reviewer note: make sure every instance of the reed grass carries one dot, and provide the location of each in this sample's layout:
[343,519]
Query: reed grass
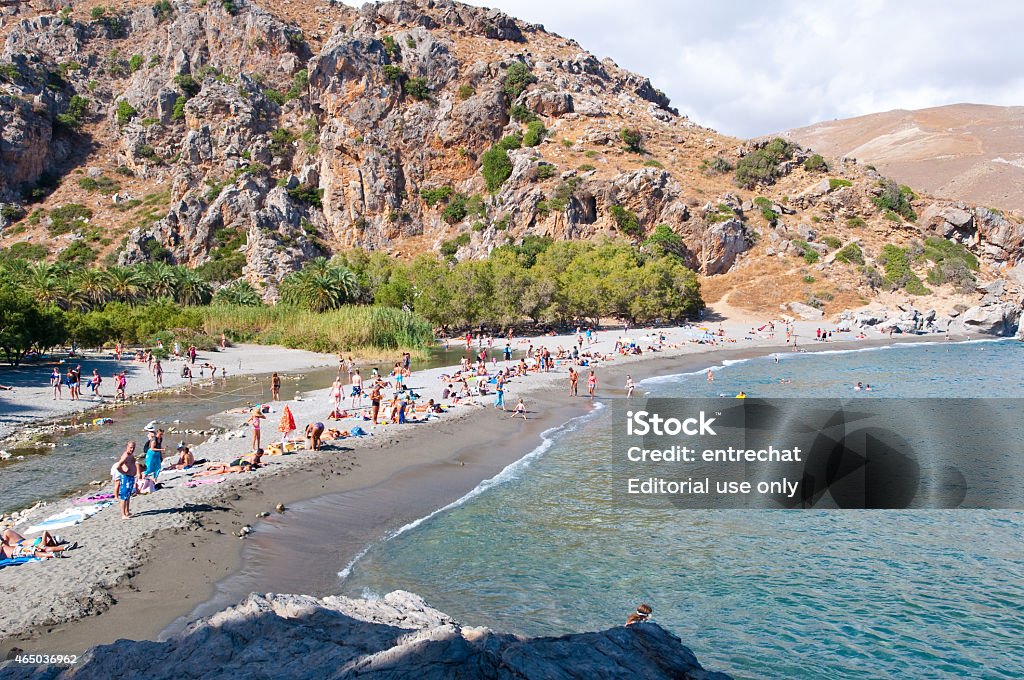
[358,329]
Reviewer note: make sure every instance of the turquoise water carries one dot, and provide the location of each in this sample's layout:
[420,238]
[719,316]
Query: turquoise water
[758,594]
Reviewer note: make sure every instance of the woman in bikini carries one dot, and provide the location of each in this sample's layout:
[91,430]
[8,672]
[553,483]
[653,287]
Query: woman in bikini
[246,463]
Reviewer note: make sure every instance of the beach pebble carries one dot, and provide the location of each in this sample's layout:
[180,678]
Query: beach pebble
[279,507]
[244,531]
[263,514]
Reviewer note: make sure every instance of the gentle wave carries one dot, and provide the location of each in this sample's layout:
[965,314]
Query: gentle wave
[510,472]
[785,354]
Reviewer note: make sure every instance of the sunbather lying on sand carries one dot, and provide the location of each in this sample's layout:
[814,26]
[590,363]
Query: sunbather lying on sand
[243,464]
[13,544]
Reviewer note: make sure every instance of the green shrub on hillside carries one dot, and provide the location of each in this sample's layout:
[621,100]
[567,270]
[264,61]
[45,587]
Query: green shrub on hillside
[496,166]
[815,163]
[73,117]
[851,254]
[517,78]
[715,166]
[535,133]
[434,195]
[895,200]
[626,221]
[898,274]
[632,140]
[416,88]
[838,183]
[762,165]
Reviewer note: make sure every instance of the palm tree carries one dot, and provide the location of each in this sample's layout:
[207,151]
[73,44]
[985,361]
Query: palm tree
[41,283]
[239,292]
[70,296]
[319,286]
[192,289]
[125,283]
[159,279]
[94,286]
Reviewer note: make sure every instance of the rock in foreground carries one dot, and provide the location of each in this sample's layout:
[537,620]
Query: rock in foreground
[296,636]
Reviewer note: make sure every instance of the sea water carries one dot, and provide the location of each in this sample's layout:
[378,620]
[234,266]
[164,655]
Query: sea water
[757,594]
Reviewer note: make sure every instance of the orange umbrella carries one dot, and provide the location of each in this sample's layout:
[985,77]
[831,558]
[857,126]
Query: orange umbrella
[287,420]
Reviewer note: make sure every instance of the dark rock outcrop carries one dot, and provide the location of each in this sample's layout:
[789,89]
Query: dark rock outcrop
[299,637]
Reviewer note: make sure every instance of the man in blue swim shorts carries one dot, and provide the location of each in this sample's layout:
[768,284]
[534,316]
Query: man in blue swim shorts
[129,470]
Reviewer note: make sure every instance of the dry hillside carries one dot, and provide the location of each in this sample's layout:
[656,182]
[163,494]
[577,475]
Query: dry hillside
[966,151]
[246,137]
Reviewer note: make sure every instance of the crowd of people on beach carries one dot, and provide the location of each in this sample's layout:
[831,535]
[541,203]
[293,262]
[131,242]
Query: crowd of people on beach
[358,404]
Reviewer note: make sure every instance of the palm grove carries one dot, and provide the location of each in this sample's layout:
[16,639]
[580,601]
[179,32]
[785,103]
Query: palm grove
[356,300]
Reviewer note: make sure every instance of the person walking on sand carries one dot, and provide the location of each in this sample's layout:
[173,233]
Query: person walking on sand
[95,383]
[574,382]
[519,410]
[117,350]
[158,373]
[275,387]
[127,470]
[591,385]
[630,386]
[254,421]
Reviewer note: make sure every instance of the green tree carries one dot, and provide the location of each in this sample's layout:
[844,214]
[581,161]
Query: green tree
[518,77]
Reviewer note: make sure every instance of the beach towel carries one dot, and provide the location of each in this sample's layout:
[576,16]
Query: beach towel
[14,561]
[67,518]
[95,498]
[287,420]
[193,483]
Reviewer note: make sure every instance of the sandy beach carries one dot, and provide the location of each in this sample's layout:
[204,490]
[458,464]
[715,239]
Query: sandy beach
[133,578]
[32,402]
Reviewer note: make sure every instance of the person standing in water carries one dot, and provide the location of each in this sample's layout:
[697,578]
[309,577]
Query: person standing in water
[275,387]
[591,385]
[630,386]
[574,382]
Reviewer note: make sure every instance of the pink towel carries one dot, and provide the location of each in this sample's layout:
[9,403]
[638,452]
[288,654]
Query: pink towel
[209,480]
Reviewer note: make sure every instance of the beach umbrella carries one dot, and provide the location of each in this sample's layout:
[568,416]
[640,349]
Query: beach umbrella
[287,420]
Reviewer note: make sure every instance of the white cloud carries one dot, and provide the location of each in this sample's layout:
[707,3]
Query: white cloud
[749,69]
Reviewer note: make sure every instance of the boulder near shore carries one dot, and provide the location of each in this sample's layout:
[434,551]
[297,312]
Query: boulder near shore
[397,636]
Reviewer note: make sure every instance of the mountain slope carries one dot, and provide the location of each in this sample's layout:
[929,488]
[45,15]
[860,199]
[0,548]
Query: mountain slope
[966,151]
[244,138]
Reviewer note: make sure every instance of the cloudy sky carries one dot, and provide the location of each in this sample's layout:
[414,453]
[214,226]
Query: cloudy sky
[748,68]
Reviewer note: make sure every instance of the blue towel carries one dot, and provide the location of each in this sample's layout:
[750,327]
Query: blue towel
[12,561]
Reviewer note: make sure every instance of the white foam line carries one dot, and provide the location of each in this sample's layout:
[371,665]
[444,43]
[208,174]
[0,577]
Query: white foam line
[509,473]
[786,354]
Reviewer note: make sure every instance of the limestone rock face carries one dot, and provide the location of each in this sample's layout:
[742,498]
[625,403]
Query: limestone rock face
[803,311]
[398,636]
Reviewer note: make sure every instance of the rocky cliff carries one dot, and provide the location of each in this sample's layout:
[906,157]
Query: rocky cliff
[246,138]
[399,636]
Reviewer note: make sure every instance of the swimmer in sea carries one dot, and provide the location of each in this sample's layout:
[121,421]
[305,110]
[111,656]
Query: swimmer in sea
[867,388]
[858,386]
[711,376]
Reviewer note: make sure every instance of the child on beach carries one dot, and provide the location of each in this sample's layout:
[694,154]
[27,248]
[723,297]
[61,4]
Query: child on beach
[630,386]
[254,421]
[520,410]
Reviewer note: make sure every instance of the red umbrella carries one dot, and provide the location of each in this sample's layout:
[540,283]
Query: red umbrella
[287,420]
